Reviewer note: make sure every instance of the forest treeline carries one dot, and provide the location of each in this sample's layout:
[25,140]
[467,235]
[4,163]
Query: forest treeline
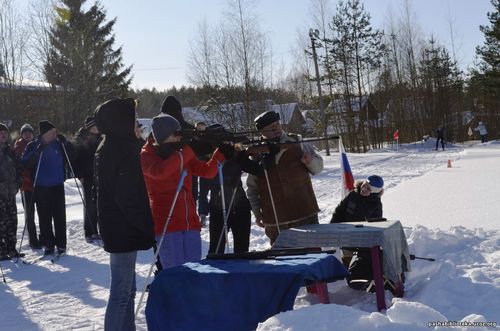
[373,81]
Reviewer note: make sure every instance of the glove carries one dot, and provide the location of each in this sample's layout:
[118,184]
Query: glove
[273,148]
[61,138]
[268,161]
[227,150]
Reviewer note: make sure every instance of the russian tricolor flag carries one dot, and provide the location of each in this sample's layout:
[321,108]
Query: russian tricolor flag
[347,178]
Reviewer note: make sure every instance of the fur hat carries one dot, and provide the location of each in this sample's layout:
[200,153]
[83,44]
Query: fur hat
[163,126]
[89,122]
[265,119]
[3,127]
[45,126]
[376,183]
[26,128]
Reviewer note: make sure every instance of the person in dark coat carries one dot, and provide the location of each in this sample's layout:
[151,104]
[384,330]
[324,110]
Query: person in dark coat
[47,159]
[361,204]
[10,181]
[238,207]
[124,215]
[85,142]
[27,135]
[282,196]
[439,136]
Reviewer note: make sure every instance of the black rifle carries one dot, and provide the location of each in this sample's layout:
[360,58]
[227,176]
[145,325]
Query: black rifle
[216,134]
[266,142]
[268,254]
[263,146]
[413,257]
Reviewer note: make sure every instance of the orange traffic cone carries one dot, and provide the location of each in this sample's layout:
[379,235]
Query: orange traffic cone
[449,163]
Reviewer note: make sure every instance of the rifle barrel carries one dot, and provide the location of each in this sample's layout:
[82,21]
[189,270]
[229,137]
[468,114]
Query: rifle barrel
[254,142]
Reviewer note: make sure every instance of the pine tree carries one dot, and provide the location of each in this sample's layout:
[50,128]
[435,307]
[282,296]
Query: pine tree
[83,65]
[441,85]
[484,85]
[357,51]
[490,51]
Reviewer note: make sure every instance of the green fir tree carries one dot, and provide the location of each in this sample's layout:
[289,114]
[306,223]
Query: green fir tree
[84,66]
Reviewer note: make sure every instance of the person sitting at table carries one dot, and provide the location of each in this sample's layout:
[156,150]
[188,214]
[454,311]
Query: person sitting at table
[361,204]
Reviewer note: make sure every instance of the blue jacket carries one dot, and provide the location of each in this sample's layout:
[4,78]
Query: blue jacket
[51,166]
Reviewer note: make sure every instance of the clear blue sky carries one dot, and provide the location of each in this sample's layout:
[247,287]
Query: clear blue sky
[155,34]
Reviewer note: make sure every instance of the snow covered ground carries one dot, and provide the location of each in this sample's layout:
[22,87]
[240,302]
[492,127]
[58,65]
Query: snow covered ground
[450,214]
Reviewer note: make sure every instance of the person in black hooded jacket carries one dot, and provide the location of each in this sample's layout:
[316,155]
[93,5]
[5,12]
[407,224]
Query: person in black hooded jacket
[124,215]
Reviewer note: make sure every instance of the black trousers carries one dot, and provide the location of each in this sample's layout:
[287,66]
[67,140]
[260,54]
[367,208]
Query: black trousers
[437,142]
[90,210]
[239,224]
[51,206]
[29,216]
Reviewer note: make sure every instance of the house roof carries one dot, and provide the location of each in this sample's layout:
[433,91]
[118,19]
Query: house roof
[286,111]
[27,85]
[340,105]
[236,112]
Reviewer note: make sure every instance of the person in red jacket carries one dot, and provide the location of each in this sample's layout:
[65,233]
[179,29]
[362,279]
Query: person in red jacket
[27,135]
[163,160]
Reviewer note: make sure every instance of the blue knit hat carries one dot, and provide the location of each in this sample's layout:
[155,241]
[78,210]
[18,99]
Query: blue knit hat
[376,183]
[163,126]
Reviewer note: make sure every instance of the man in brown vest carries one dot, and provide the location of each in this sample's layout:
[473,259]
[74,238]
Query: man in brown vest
[282,195]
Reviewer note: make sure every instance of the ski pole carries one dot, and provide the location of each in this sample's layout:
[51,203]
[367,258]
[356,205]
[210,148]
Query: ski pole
[31,202]
[179,187]
[272,200]
[26,213]
[224,211]
[78,187]
[413,257]
[3,275]
[227,218]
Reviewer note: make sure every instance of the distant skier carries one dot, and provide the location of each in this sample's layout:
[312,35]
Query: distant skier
[482,131]
[439,136]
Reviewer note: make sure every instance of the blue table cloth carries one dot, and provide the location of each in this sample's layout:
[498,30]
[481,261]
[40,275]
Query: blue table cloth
[233,294]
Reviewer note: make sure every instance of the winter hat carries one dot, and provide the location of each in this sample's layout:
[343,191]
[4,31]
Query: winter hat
[163,126]
[3,127]
[45,126]
[89,122]
[376,183]
[265,119]
[27,128]
[171,106]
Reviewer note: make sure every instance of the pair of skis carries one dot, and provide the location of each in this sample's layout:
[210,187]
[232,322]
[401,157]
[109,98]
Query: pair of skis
[54,258]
